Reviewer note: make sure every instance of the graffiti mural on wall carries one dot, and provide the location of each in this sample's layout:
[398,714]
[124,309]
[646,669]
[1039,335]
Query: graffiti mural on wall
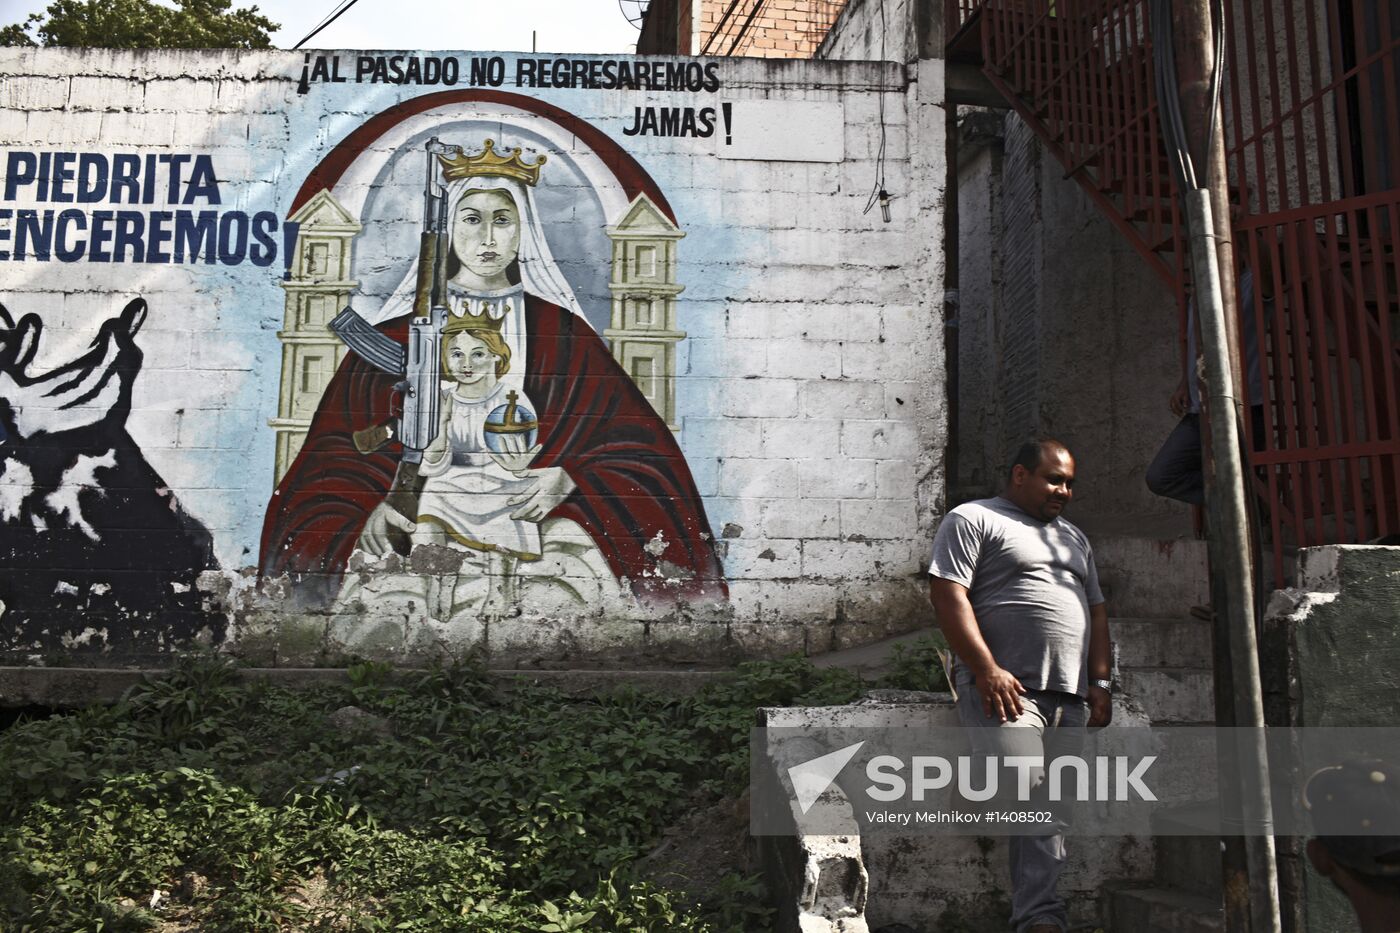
[626,334]
[94,540]
[478,447]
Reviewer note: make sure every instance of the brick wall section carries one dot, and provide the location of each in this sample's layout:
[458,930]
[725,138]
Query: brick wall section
[779,28]
[809,389]
[752,28]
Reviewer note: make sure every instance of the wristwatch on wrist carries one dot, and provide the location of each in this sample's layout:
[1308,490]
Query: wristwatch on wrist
[1102,684]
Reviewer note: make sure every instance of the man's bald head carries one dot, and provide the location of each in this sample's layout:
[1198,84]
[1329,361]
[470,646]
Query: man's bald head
[1040,480]
[1032,452]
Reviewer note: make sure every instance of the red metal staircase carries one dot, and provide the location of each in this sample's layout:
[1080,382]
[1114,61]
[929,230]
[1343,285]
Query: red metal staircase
[1312,125]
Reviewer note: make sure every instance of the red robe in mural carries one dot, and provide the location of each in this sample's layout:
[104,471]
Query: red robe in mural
[632,479]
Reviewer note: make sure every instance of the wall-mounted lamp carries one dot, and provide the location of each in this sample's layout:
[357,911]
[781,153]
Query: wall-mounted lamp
[885,199]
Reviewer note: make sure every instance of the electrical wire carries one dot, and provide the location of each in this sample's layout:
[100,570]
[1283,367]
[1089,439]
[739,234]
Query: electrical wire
[748,23]
[1179,156]
[1169,97]
[322,23]
[877,191]
[720,26]
[331,17]
[1217,17]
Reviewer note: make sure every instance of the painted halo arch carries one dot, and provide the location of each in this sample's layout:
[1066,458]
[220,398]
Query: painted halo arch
[625,169]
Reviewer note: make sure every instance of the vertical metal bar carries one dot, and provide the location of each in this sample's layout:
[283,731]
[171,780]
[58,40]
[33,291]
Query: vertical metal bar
[1389,84]
[1344,429]
[1277,335]
[1256,120]
[1233,95]
[1370,158]
[1313,355]
[1343,116]
[1327,415]
[1323,134]
[1288,338]
[1295,109]
[1280,177]
[1386,479]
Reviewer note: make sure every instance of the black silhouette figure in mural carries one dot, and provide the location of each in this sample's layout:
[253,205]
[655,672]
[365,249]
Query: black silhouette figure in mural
[91,538]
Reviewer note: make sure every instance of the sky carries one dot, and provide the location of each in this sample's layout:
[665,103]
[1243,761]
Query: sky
[477,25]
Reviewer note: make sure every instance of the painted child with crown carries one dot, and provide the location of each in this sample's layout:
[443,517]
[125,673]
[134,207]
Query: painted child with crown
[474,472]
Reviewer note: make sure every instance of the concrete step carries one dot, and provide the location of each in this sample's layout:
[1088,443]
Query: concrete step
[1171,694]
[1150,577]
[1183,642]
[1157,910]
[1190,864]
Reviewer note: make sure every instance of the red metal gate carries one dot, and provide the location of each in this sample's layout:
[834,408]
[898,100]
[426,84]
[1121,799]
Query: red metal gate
[1312,126]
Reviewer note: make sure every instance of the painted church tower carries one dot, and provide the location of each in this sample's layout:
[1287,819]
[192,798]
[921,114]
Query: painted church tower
[318,286]
[643,332]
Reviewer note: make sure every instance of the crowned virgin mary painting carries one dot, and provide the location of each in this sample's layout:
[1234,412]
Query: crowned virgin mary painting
[527,468]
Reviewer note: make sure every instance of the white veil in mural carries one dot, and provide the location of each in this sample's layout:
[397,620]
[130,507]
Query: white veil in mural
[539,273]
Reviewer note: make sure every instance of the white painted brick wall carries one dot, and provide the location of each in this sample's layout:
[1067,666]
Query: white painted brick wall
[809,385]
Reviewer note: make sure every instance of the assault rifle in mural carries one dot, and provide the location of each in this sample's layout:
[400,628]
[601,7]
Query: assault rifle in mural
[417,425]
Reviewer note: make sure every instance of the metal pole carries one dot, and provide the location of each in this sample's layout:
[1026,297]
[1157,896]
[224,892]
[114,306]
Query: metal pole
[1225,494]
[951,303]
[1239,687]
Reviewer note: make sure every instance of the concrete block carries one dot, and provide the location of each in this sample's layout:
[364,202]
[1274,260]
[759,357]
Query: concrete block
[854,560]
[758,479]
[808,518]
[1150,578]
[705,472]
[806,359]
[102,93]
[1154,910]
[562,642]
[767,639]
[759,398]
[836,479]
[764,560]
[801,601]
[901,602]
[801,438]
[881,361]
[733,518]
[1162,642]
[878,518]
[35,93]
[880,440]
[1172,695]
[846,398]
[744,358]
[894,479]
[848,323]
[679,642]
[14,127]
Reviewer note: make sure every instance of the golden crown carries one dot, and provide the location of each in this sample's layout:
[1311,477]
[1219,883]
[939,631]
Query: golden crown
[478,318]
[488,162]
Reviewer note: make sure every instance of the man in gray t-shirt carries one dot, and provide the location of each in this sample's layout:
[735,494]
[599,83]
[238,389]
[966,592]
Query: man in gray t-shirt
[1017,597]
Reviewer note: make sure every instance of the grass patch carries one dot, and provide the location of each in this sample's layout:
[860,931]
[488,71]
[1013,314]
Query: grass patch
[458,805]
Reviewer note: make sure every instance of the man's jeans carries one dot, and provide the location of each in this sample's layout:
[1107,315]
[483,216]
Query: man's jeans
[1052,725]
[1177,472]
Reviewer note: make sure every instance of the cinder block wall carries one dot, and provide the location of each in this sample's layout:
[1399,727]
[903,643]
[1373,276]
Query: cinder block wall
[882,30]
[808,392]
